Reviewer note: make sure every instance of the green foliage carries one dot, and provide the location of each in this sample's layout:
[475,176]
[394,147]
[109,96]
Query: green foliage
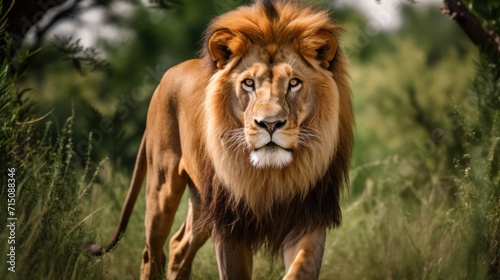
[429,209]
[487,11]
[479,180]
[49,234]
[79,56]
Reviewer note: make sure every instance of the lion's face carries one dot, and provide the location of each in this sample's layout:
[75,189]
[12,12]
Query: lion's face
[273,101]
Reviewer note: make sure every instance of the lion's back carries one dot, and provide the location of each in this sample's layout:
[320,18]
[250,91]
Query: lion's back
[175,115]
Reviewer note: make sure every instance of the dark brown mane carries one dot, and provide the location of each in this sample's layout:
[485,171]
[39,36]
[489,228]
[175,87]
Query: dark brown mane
[270,9]
[284,224]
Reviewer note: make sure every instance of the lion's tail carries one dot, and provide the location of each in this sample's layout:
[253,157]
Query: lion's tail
[140,170]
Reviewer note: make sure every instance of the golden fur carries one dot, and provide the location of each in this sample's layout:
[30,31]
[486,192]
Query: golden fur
[260,128]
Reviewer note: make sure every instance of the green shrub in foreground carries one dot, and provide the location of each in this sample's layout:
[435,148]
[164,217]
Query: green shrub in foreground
[50,240]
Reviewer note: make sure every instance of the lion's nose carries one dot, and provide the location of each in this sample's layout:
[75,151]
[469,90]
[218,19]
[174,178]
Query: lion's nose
[270,126]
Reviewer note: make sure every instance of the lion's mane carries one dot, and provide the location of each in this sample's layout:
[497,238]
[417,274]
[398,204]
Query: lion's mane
[272,207]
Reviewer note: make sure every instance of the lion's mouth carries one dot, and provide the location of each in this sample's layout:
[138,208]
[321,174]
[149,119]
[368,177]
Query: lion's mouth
[271,155]
[271,146]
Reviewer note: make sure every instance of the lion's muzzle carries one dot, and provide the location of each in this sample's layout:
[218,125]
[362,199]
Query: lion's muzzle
[270,126]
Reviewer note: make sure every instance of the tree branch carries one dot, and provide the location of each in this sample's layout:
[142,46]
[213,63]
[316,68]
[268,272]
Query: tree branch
[22,15]
[67,10]
[486,41]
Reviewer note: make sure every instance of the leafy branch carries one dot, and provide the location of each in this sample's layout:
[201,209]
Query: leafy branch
[80,56]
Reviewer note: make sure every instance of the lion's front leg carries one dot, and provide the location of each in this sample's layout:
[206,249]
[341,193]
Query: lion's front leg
[185,243]
[234,260]
[303,259]
[164,190]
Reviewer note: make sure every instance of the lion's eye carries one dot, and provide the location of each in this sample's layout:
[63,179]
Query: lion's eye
[248,85]
[294,84]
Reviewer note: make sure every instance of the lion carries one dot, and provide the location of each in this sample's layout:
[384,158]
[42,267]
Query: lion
[260,130]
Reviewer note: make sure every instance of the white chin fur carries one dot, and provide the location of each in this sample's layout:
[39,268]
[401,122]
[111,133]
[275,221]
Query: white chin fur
[276,158]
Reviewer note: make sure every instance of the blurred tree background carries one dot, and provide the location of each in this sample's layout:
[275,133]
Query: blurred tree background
[425,195]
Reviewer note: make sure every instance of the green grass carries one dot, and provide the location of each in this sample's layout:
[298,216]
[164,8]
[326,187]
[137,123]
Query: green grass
[49,227]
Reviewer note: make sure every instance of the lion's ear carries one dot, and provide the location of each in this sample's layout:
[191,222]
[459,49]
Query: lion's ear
[322,47]
[224,45]
[327,52]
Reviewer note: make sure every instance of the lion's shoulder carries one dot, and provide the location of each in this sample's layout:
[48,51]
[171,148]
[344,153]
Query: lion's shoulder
[182,86]
[190,72]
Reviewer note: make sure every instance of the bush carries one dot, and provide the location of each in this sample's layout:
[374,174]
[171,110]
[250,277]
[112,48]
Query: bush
[50,239]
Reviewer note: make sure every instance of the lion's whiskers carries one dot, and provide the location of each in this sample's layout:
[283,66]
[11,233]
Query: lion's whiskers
[307,136]
[235,139]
